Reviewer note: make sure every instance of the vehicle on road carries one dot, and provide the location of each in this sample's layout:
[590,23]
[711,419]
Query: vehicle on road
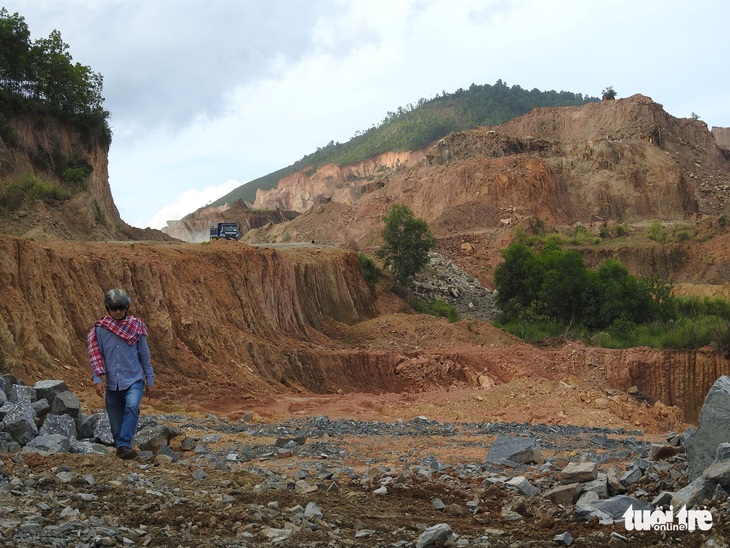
[228,231]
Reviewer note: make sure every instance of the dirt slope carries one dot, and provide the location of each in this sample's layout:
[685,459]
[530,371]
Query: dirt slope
[622,162]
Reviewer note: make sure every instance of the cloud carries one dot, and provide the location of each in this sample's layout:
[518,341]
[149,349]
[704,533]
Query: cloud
[204,92]
[191,200]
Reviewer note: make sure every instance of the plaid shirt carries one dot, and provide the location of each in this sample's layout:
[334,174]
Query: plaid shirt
[130,329]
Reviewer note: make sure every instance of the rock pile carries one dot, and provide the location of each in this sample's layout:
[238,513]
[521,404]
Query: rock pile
[443,280]
[46,418]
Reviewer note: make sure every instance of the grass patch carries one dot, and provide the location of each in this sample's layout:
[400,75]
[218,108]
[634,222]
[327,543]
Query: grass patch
[438,308]
[14,192]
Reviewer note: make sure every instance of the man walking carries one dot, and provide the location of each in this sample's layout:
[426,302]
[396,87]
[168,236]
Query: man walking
[118,351]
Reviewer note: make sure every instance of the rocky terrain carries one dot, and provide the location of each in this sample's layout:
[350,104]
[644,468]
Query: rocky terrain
[318,481]
[280,341]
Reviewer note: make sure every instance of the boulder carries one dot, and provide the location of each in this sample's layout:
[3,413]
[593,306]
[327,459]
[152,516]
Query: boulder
[713,428]
[435,536]
[48,390]
[509,449]
[152,438]
[616,506]
[63,425]
[19,422]
[66,403]
[21,392]
[580,472]
[694,493]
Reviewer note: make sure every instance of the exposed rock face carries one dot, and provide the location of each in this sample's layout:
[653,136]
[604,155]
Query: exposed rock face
[722,137]
[300,191]
[43,146]
[617,161]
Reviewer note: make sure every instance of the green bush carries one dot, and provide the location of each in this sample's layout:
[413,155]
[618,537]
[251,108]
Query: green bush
[556,285]
[656,232]
[369,269]
[76,173]
[438,308]
[15,191]
[620,231]
[720,339]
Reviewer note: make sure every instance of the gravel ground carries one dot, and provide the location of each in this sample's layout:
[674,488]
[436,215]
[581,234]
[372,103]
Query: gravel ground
[321,482]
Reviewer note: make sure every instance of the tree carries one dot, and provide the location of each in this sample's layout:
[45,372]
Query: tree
[406,243]
[609,94]
[14,50]
[555,284]
[43,72]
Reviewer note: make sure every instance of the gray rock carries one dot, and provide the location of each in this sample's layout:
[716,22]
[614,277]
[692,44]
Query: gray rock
[723,452]
[6,381]
[693,493]
[63,425]
[523,485]
[515,450]
[616,506]
[563,539]
[564,494]
[85,425]
[713,428]
[3,397]
[152,438]
[5,408]
[719,473]
[313,511]
[436,536]
[598,486]
[48,390]
[102,429]
[580,472]
[41,408]
[19,422]
[20,392]
[631,476]
[663,499]
[87,447]
[52,443]
[585,510]
[66,403]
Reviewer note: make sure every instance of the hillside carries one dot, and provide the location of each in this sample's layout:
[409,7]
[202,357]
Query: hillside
[413,127]
[624,162]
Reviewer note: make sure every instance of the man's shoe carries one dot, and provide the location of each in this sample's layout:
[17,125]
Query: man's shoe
[126,453]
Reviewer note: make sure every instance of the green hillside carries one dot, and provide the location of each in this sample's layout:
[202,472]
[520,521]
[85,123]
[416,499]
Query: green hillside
[413,127]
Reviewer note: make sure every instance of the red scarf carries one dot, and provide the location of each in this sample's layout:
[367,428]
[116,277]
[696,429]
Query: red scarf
[130,329]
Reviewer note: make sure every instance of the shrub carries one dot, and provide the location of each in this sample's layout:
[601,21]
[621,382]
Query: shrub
[369,269]
[720,339]
[656,232]
[620,230]
[438,308]
[15,191]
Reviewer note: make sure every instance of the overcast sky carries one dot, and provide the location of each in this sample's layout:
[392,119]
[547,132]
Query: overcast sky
[206,95]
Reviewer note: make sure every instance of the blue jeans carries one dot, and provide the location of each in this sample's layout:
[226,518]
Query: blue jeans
[122,407]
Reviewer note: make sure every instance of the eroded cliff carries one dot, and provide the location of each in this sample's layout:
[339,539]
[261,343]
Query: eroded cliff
[230,322]
[44,147]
